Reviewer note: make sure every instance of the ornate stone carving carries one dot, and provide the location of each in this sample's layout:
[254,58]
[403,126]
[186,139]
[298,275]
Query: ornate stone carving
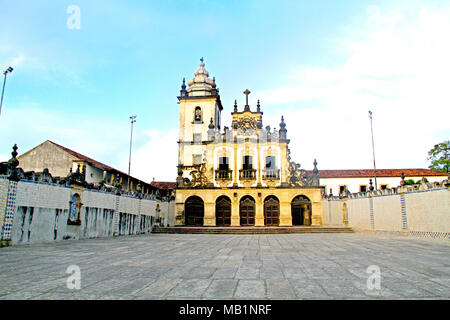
[300,178]
[10,167]
[247,123]
[198,174]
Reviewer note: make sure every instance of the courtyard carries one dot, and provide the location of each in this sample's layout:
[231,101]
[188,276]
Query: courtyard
[187,266]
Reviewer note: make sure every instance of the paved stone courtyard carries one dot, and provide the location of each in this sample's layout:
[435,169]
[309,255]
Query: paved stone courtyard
[171,266]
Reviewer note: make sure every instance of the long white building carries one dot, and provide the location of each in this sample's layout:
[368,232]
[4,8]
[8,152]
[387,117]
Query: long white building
[358,180]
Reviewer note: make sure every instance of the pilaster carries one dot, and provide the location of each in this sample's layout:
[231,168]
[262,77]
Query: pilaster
[316,217]
[285,214]
[209,219]
[259,212]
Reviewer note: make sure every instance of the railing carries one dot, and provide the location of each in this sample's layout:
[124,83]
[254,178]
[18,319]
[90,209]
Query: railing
[272,174]
[247,174]
[224,174]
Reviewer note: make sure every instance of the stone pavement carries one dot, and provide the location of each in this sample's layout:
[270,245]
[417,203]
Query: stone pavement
[171,266]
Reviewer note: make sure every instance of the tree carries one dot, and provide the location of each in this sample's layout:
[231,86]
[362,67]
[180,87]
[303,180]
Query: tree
[440,157]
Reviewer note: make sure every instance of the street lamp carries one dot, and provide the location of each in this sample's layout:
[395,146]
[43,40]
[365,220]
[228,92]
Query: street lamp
[373,150]
[10,69]
[133,120]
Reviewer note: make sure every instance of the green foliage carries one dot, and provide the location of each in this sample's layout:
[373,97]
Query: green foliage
[439,156]
[409,182]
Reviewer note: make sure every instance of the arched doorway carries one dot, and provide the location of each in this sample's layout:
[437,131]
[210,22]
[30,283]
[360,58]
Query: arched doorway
[223,211]
[194,211]
[301,211]
[247,211]
[271,211]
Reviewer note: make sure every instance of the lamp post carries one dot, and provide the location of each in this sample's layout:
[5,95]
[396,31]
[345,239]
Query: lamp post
[373,150]
[133,120]
[9,70]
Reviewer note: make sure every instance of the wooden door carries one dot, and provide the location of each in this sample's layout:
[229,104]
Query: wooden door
[272,212]
[223,212]
[247,212]
[194,212]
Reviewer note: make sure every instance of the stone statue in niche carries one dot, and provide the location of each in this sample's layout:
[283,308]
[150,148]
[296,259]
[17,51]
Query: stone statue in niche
[198,114]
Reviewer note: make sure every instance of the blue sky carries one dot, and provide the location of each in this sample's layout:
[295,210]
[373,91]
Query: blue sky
[321,64]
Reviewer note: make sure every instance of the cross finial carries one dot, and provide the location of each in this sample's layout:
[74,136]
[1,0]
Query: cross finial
[201,59]
[246,92]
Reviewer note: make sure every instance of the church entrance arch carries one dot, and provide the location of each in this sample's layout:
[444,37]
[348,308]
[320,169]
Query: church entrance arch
[301,211]
[247,211]
[271,211]
[223,211]
[194,209]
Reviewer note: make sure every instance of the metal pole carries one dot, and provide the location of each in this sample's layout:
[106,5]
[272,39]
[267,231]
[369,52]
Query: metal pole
[373,150]
[133,120]
[3,91]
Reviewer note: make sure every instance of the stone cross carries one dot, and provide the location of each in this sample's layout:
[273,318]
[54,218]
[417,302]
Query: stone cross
[246,92]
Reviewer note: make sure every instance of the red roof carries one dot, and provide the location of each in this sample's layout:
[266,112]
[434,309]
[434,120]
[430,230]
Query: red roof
[368,173]
[164,185]
[92,162]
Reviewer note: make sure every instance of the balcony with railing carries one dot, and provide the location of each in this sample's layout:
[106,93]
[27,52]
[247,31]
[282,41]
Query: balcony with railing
[224,174]
[271,174]
[247,174]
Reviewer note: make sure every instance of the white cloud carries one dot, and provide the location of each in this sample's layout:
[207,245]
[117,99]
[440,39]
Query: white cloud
[157,158]
[397,65]
[105,140]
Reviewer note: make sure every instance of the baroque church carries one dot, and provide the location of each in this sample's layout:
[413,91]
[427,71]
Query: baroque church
[240,175]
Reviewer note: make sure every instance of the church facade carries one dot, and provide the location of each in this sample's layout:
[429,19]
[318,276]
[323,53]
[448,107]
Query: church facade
[240,175]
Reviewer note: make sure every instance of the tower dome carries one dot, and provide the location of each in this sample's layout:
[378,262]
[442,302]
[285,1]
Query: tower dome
[202,84]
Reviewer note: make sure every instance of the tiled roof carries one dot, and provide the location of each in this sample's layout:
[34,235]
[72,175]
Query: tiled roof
[368,173]
[164,185]
[93,162]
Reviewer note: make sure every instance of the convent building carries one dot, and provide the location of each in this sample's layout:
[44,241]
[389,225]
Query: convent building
[240,175]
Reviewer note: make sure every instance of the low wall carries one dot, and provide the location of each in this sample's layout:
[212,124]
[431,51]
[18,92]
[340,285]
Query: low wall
[36,212]
[422,211]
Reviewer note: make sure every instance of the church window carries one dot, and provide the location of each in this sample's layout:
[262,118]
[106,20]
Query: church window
[247,163]
[223,164]
[384,186]
[342,189]
[198,114]
[197,159]
[270,162]
[363,188]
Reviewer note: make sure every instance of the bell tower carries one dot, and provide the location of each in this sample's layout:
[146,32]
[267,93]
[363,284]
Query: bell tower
[200,111]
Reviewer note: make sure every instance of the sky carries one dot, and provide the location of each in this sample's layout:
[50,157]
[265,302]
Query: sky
[80,74]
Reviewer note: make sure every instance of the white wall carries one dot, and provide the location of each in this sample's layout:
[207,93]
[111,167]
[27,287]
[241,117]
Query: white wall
[354,183]
[42,210]
[424,212]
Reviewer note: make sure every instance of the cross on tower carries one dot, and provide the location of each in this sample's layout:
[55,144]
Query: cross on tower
[246,92]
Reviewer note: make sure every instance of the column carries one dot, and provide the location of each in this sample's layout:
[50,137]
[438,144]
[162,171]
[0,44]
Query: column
[137,223]
[235,217]
[116,217]
[259,212]
[10,209]
[285,214]
[179,214]
[210,214]
[344,212]
[316,216]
